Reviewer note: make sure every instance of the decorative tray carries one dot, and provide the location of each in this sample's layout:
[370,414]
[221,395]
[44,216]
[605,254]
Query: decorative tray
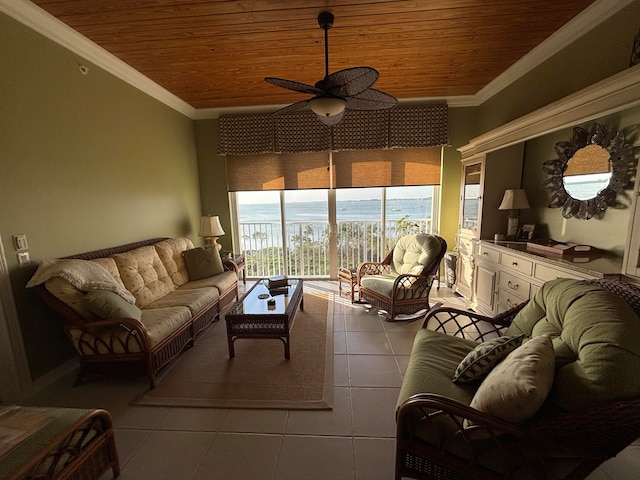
[559,248]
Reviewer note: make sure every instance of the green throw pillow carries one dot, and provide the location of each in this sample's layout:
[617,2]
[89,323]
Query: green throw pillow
[107,304]
[202,262]
[481,360]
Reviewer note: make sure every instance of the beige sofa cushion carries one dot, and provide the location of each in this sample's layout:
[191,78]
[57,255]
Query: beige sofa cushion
[144,274]
[170,252]
[159,323]
[194,299]
[221,282]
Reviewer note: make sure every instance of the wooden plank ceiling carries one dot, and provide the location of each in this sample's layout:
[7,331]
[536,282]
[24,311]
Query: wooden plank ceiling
[216,53]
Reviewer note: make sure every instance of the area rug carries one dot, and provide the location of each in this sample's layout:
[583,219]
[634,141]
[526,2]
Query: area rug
[258,376]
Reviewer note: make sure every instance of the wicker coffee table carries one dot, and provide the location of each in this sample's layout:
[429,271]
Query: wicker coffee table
[252,317]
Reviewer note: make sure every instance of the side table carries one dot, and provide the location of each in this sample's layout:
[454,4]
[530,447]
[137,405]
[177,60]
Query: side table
[350,277]
[238,264]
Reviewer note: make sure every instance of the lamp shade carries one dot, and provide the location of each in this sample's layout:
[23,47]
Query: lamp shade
[210,227]
[327,106]
[514,199]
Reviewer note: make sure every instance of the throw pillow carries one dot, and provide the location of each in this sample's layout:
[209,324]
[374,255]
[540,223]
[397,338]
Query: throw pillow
[107,304]
[481,360]
[516,389]
[202,262]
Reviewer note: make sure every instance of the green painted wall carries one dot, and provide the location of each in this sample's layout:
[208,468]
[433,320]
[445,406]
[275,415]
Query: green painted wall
[609,232]
[598,54]
[213,177]
[86,162]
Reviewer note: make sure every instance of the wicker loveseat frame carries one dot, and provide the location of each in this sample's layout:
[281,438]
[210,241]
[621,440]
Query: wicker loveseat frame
[123,343]
[77,444]
[410,293]
[573,443]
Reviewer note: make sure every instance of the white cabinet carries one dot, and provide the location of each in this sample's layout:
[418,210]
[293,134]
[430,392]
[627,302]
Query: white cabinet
[484,179]
[632,253]
[506,274]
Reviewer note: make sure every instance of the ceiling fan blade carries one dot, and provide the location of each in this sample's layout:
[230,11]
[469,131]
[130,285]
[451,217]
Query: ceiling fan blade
[292,107]
[295,86]
[371,99]
[349,82]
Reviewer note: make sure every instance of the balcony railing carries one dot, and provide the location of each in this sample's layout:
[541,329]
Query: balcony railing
[307,245]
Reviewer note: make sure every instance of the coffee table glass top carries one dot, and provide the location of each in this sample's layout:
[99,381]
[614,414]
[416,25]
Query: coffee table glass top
[255,302]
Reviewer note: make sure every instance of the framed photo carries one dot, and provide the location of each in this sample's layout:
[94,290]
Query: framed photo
[527,232]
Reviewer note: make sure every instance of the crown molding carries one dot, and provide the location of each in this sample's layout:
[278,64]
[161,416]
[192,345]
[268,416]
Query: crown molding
[616,93]
[582,23]
[44,23]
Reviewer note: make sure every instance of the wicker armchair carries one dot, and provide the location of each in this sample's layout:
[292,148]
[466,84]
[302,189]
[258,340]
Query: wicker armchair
[401,282]
[434,442]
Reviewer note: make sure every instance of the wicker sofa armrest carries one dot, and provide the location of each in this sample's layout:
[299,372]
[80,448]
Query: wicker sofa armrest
[432,443]
[108,337]
[431,406]
[468,324]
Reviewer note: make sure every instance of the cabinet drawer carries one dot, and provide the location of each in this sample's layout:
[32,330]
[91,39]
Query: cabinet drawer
[546,273]
[515,285]
[518,264]
[508,300]
[490,254]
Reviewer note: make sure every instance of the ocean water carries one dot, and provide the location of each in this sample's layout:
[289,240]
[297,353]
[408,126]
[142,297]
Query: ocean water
[347,210]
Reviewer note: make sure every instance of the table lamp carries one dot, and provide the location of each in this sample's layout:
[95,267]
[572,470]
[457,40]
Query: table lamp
[211,229]
[514,199]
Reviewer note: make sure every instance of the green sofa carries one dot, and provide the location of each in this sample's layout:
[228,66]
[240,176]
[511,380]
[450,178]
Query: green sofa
[557,412]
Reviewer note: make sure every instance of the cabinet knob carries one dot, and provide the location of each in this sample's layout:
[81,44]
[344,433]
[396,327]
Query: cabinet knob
[512,286]
[515,264]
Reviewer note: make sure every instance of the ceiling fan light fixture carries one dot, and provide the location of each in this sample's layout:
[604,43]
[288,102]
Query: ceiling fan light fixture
[327,106]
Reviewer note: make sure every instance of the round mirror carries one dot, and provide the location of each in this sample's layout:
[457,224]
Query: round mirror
[587,172]
[591,169]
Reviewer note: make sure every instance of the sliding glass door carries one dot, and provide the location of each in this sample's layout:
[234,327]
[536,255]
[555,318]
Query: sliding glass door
[311,233]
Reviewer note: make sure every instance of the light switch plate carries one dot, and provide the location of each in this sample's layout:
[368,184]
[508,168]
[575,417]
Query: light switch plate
[24,259]
[20,242]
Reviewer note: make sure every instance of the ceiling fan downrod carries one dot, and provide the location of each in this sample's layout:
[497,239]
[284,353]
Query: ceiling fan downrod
[325,20]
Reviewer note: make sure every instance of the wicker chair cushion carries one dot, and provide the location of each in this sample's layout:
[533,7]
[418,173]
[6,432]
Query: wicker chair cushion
[596,338]
[414,249]
[516,389]
[144,274]
[170,252]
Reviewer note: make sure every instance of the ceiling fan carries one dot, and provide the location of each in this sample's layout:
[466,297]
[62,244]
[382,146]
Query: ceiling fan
[348,89]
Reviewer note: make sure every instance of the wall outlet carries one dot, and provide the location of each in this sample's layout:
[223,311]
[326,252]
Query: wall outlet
[20,242]
[24,259]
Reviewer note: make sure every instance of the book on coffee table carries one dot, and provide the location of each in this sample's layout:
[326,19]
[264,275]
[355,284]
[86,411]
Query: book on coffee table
[278,281]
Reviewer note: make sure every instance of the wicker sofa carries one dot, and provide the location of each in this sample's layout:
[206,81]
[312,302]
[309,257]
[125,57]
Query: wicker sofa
[111,334]
[507,415]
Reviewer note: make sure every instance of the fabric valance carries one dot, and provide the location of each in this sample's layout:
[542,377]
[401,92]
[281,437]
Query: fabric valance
[405,126]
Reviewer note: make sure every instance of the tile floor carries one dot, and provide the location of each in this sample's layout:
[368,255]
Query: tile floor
[354,441]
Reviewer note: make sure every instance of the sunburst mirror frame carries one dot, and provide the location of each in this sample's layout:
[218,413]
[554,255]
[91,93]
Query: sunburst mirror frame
[620,162]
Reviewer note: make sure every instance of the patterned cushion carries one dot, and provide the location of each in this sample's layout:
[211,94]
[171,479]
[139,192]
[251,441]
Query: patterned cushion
[481,360]
[518,386]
